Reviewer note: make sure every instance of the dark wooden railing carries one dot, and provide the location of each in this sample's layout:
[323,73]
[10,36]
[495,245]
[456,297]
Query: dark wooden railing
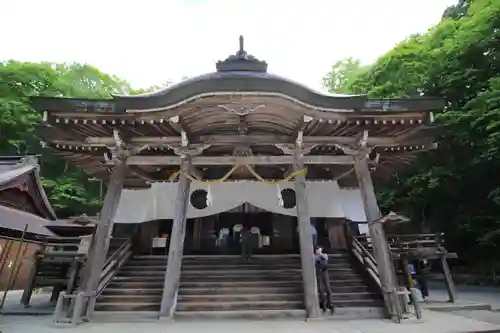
[114,263]
[73,308]
[429,246]
[366,259]
[401,295]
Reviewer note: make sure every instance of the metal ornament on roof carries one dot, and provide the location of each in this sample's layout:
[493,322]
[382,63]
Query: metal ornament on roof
[241,61]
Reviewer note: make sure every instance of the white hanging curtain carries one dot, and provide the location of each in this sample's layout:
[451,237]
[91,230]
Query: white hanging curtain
[325,199]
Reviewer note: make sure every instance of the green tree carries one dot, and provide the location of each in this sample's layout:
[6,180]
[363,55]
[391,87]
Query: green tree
[69,189]
[342,75]
[456,188]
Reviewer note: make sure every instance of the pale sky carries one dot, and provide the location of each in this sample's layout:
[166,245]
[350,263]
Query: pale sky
[148,42]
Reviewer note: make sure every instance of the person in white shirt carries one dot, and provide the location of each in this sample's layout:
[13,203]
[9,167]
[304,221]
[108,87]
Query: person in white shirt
[223,239]
[237,228]
[255,237]
[314,234]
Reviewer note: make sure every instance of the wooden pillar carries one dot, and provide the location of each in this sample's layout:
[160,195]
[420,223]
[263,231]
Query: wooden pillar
[306,244]
[103,231]
[450,285]
[173,273]
[377,234]
[31,282]
[197,233]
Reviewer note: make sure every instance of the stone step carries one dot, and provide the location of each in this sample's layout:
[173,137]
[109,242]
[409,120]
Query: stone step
[295,296]
[135,284]
[237,260]
[241,314]
[131,306]
[258,271]
[245,277]
[290,297]
[269,283]
[239,305]
[145,279]
[150,256]
[341,313]
[261,276]
[357,303]
[356,295]
[136,262]
[138,298]
[125,316]
[131,291]
[297,289]
[230,290]
[277,289]
[245,265]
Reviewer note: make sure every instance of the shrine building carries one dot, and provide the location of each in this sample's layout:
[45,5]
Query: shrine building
[188,165]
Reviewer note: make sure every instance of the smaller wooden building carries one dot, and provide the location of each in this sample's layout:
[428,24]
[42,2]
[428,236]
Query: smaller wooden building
[24,212]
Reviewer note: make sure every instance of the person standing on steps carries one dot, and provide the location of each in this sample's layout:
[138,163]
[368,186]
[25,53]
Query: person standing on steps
[314,233]
[246,244]
[323,278]
[237,228]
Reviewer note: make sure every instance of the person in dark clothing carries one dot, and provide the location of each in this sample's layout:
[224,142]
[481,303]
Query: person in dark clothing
[422,269]
[246,244]
[323,278]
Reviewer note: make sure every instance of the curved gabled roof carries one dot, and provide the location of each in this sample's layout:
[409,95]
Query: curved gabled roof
[14,170]
[240,72]
[239,81]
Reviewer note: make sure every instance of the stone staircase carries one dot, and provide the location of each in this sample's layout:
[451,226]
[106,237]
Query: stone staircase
[137,287]
[266,287]
[211,287]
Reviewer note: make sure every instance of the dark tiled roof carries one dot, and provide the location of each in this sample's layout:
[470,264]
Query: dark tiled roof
[12,168]
[14,219]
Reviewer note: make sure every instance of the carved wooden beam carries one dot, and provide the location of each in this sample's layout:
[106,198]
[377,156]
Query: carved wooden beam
[241,111]
[234,160]
[242,139]
[140,173]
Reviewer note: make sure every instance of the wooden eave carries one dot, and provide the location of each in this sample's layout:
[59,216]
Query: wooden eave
[83,138]
[240,109]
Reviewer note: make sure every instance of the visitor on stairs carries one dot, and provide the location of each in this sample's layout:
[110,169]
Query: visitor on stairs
[314,233]
[323,278]
[237,234]
[246,244]
[255,237]
[223,239]
[422,270]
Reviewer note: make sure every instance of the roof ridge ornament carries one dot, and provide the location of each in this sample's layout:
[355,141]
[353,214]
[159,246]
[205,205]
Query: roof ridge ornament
[241,61]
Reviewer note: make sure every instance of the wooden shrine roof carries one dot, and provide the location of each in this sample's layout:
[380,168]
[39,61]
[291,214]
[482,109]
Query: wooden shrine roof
[238,110]
[21,173]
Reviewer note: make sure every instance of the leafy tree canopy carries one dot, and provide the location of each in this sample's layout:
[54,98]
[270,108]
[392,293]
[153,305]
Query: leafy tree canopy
[455,189]
[69,189]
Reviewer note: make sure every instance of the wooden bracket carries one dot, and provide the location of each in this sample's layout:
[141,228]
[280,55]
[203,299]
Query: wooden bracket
[176,123]
[192,150]
[359,149]
[242,111]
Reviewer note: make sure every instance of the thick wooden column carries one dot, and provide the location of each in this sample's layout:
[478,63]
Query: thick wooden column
[306,244]
[377,234]
[450,286]
[173,273]
[103,231]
